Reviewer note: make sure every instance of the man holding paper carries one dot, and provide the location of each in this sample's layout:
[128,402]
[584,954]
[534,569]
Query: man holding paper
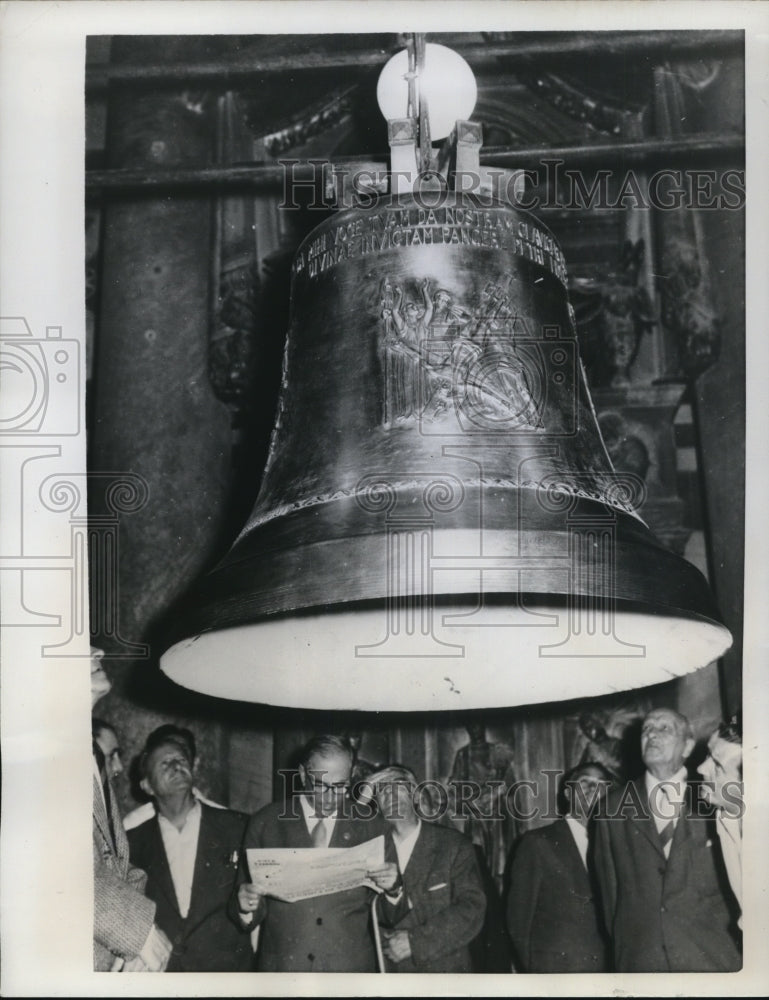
[329,932]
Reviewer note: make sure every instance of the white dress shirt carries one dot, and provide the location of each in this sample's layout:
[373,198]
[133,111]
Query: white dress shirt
[147,810]
[666,796]
[404,848]
[579,832]
[311,818]
[181,849]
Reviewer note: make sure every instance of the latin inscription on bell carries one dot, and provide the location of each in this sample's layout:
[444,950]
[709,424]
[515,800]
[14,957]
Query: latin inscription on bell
[371,233]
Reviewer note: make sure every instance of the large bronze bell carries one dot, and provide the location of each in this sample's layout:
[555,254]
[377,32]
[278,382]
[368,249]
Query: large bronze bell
[439,525]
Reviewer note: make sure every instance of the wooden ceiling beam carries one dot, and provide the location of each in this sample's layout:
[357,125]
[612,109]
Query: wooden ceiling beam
[531,46]
[694,150]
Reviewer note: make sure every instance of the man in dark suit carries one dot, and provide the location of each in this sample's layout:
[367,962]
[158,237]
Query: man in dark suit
[324,933]
[722,789]
[659,866]
[190,853]
[125,935]
[429,923]
[552,909]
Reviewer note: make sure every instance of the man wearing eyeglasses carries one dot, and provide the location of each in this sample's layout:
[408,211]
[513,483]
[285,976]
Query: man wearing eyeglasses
[325,933]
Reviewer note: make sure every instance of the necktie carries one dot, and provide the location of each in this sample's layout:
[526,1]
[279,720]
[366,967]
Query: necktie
[667,831]
[319,834]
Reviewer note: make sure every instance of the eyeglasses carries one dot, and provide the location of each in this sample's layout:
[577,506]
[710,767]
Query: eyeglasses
[333,788]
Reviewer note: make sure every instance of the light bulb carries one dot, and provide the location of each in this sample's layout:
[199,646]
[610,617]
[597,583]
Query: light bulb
[446,82]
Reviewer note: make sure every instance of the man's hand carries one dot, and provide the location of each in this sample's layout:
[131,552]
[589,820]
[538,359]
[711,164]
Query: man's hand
[132,965]
[385,878]
[397,946]
[248,900]
[155,953]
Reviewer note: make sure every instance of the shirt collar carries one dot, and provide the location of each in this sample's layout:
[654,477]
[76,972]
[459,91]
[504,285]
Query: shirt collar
[410,838]
[311,817]
[579,831]
[674,787]
[730,824]
[192,817]
[405,848]
[580,837]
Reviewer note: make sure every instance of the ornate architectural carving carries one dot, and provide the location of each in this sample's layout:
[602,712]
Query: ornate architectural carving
[612,315]
[314,121]
[686,307]
[684,283]
[627,450]
[573,96]
[637,427]
[568,98]
[232,350]
[698,75]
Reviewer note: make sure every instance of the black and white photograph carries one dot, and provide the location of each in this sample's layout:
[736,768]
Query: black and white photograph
[382,427]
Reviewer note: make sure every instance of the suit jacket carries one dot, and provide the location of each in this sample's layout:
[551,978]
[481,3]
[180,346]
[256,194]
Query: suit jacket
[122,914]
[443,902]
[552,909]
[663,915]
[324,934]
[205,940]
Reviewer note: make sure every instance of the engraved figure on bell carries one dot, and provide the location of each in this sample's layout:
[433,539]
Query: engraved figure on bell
[446,362]
[493,316]
[406,326]
[417,318]
[448,317]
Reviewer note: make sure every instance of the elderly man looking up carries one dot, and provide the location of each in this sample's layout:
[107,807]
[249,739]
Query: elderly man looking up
[190,853]
[658,865]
